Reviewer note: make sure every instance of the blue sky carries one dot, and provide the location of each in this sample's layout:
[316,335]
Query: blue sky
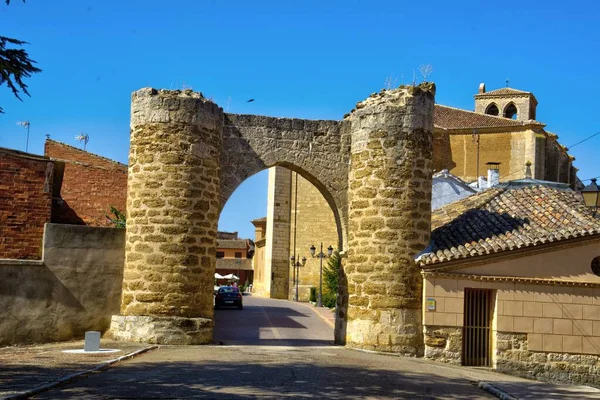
[309,59]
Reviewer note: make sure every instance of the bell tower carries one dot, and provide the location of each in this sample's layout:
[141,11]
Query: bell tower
[506,102]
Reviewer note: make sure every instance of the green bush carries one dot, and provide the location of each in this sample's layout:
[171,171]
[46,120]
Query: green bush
[313,294]
[329,299]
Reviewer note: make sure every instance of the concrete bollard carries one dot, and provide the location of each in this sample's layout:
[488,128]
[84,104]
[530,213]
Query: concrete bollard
[92,341]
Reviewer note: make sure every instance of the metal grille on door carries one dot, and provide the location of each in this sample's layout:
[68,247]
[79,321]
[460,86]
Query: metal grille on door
[477,327]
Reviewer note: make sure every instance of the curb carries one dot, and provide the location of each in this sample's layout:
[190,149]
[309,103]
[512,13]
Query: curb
[490,388]
[73,376]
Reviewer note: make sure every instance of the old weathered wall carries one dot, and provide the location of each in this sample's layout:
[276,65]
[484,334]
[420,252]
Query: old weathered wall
[90,186]
[25,203]
[389,218]
[75,288]
[514,355]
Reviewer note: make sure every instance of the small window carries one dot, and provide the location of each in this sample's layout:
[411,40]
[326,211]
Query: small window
[596,265]
[238,254]
[220,254]
[492,109]
[510,111]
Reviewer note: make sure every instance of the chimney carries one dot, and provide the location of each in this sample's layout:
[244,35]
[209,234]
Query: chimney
[493,173]
[482,88]
[528,170]
[481,183]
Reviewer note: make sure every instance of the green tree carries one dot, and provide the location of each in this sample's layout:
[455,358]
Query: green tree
[331,279]
[119,219]
[15,65]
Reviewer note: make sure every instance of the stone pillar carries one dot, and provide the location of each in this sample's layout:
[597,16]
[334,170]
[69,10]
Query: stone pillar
[389,218]
[172,214]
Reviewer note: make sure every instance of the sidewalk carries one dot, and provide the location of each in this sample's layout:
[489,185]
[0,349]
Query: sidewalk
[23,368]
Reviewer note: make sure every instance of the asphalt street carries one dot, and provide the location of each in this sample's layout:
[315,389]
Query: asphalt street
[270,322]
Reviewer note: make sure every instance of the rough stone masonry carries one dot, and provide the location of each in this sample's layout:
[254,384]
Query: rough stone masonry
[187,157]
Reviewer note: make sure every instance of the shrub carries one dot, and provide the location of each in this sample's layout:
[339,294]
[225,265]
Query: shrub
[330,273]
[329,299]
[313,294]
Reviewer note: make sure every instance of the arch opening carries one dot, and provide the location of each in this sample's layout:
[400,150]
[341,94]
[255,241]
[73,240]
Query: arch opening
[288,214]
[492,109]
[510,111]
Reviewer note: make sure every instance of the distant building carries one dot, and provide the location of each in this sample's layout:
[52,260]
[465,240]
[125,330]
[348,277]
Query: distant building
[234,256]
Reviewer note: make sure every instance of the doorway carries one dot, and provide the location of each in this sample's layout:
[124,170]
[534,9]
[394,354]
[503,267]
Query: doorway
[477,331]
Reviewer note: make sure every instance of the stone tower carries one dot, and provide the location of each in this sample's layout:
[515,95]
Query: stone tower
[389,218]
[506,102]
[173,208]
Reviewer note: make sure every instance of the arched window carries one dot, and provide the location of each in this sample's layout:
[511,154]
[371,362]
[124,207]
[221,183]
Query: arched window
[596,265]
[492,109]
[510,111]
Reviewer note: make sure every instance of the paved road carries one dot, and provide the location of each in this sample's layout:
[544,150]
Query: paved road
[271,349]
[269,322]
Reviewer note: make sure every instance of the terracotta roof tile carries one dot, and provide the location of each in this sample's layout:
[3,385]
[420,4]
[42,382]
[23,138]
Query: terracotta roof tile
[503,91]
[231,244]
[445,117]
[234,263]
[504,219]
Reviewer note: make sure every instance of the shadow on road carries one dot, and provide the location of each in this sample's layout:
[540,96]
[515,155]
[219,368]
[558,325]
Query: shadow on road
[233,380]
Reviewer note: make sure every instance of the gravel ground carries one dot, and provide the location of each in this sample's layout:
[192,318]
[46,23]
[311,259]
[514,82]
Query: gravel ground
[25,367]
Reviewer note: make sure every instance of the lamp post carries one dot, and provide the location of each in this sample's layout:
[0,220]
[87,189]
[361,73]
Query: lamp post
[297,265]
[591,196]
[321,255]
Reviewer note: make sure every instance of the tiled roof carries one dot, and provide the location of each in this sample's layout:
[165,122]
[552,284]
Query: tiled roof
[504,219]
[231,244]
[503,91]
[445,117]
[234,263]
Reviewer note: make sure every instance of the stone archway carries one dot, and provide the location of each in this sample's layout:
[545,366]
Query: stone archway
[187,157]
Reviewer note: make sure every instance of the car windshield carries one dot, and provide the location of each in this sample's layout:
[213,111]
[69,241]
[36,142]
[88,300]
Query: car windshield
[228,289]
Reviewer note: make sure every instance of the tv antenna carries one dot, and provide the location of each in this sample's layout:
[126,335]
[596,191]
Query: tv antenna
[83,137]
[25,124]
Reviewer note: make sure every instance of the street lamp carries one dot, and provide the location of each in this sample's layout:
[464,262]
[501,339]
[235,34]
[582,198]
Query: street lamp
[591,196]
[297,265]
[321,255]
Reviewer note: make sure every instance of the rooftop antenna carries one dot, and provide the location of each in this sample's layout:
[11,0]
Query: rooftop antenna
[25,124]
[83,137]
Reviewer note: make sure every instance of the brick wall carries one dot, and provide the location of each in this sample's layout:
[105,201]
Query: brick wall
[25,203]
[91,184]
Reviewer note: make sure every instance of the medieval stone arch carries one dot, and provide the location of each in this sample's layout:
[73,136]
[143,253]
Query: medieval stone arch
[187,157]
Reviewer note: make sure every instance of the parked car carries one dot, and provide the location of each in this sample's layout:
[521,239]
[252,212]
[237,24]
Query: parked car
[229,296]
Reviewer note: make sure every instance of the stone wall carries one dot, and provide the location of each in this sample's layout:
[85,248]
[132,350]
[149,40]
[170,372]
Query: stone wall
[75,288]
[312,222]
[26,185]
[389,218]
[91,184]
[443,343]
[513,356]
